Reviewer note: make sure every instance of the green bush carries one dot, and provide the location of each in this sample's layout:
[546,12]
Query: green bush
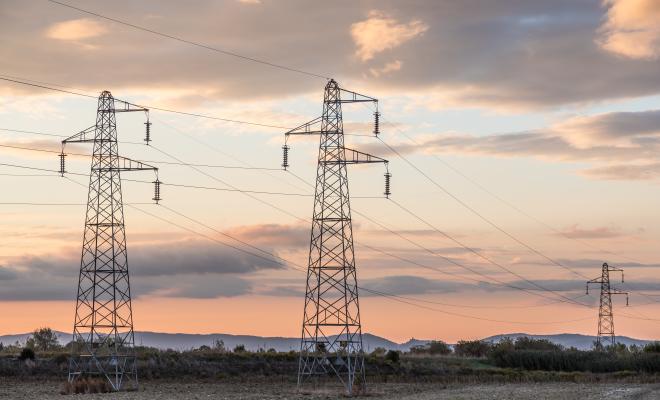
[472,348]
[26,354]
[653,347]
[393,356]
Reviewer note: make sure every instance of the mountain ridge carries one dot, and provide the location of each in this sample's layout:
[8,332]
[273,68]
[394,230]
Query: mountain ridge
[187,341]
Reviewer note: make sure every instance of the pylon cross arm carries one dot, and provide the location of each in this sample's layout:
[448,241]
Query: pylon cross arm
[83,136]
[312,127]
[348,96]
[358,157]
[127,164]
[124,106]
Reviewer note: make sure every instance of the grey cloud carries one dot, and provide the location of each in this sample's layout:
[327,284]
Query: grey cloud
[275,235]
[195,257]
[7,274]
[286,291]
[628,172]
[407,284]
[175,269]
[510,53]
[618,145]
[575,232]
[193,286]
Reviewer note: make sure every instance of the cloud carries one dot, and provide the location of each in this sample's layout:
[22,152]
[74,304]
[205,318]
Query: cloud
[575,232]
[614,128]
[380,32]
[407,284]
[628,172]
[274,235]
[632,28]
[195,257]
[76,30]
[387,68]
[509,55]
[187,268]
[617,145]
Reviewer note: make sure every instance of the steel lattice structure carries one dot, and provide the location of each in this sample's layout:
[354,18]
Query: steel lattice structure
[331,329]
[103,337]
[606,336]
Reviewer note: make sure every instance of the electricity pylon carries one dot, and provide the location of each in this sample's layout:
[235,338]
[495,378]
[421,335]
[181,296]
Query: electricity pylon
[103,336]
[606,334]
[331,330]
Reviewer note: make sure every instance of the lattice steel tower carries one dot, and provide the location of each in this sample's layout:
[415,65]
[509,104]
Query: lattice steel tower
[606,334]
[103,336]
[331,330]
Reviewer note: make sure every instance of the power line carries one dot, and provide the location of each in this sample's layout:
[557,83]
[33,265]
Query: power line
[511,205]
[479,254]
[404,299]
[451,261]
[279,193]
[31,132]
[233,189]
[300,268]
[258,199]
[42,86]
[224,153]
[478,214]
[534,250]
[190,42]
[22,82]
[305,220]
[238,167]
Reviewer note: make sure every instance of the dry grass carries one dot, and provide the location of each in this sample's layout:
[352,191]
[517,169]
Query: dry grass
[228,390]
[86,386]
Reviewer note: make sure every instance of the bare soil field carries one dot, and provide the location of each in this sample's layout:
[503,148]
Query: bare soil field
[15,389]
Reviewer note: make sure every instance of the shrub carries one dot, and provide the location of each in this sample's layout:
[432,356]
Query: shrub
[26,354]
[44,339]
[472,348]
[653,347]
[439,348]
[219,345]
[526,343]
[239,348]
[393,356]
[379,352]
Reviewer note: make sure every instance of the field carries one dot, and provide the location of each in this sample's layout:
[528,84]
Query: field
[524,369]
[15,389]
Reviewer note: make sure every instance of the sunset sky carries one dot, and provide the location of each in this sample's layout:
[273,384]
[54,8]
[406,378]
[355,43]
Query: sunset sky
[527,130]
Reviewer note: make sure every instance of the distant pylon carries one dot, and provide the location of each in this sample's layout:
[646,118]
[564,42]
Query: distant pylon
[331,331]
[103,338]
[606,334]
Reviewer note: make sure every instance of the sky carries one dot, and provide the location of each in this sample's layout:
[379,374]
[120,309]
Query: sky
[527,131]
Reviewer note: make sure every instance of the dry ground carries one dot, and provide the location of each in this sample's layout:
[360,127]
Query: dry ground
[13,389]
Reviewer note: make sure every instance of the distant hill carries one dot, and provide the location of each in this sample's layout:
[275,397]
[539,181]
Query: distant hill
[186,341]
[582,342]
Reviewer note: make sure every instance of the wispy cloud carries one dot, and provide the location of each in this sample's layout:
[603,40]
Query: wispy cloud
[380,32]
[618,145]
[632,28]
[506,55]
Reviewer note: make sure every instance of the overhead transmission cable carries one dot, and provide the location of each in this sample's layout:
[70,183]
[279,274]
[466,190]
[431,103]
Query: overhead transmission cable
[481,216]
[191,42]
[272,258]
[23,81]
